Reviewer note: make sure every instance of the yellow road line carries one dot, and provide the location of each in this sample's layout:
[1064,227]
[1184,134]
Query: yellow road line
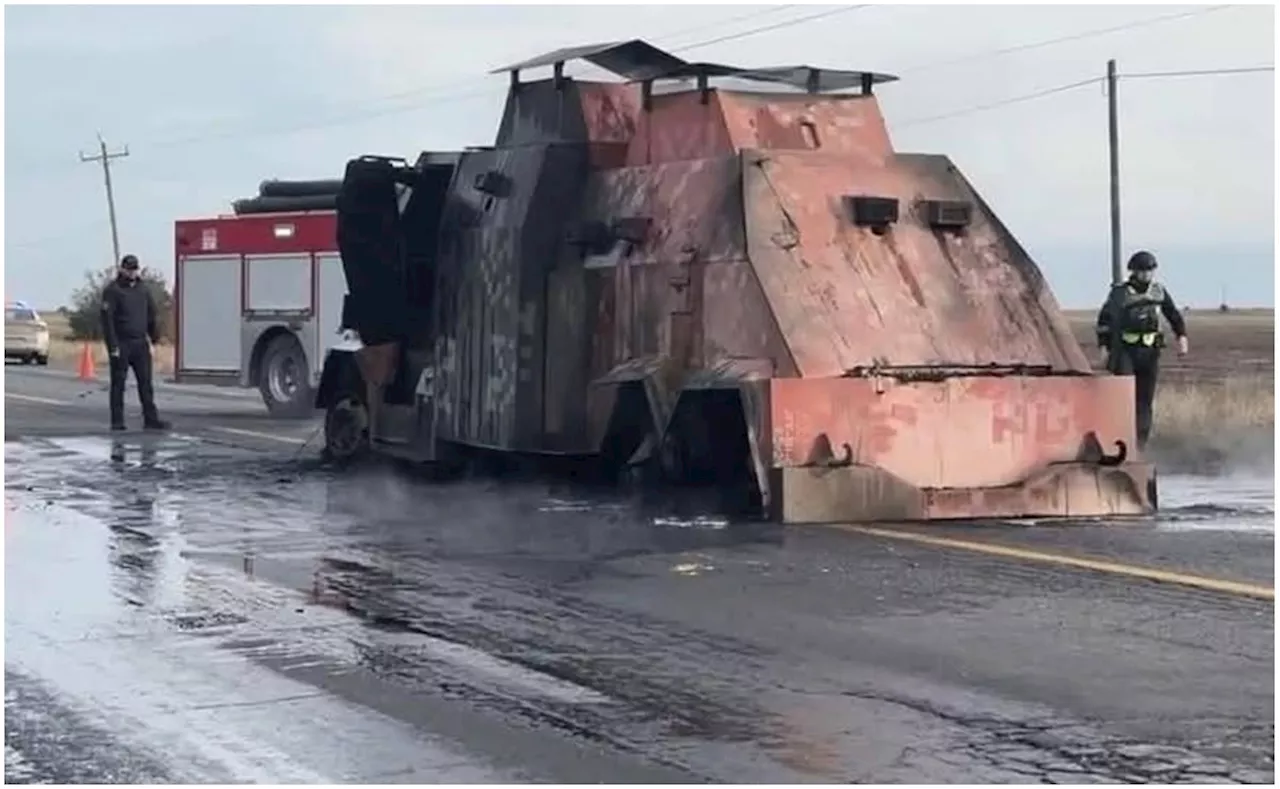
[1097,565]
[35,399]
[258,434]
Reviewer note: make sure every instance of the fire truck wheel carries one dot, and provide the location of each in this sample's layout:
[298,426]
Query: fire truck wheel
[284,379]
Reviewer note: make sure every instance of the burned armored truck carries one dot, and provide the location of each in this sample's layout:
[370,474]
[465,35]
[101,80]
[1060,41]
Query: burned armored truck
[726,274]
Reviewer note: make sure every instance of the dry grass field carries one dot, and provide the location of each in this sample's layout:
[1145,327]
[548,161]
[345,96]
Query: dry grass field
[1221,396]
[65,352]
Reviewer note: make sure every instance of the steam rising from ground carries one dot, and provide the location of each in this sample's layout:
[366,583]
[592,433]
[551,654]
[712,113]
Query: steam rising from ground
[566,525]
[1223,453]
[1215,426]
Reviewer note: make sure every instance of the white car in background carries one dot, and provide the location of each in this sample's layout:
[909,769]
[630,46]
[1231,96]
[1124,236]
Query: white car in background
[26,335]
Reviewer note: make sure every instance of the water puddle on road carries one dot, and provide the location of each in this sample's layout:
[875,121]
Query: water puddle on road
[168,503]
[1235,502]
[204,558]
[190,559]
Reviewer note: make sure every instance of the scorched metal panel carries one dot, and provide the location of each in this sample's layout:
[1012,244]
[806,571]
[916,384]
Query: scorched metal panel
[495,256]
[846,296]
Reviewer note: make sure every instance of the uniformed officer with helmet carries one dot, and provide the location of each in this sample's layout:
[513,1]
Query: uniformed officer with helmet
[1133,310]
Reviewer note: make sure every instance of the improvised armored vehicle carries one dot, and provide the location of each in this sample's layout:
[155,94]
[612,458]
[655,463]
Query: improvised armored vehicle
[728,283]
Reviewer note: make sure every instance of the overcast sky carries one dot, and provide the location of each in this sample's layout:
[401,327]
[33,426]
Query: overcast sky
[211,100]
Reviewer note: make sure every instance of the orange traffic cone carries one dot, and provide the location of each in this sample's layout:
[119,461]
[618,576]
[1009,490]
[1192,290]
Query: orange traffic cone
[87,372]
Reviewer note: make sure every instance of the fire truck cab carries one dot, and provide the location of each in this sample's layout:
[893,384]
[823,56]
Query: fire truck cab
[258,300]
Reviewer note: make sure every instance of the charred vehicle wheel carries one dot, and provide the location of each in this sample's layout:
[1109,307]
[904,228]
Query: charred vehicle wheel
[284,378]
[346,430]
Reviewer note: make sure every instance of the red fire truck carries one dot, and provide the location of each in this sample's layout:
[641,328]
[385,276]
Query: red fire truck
[258,294]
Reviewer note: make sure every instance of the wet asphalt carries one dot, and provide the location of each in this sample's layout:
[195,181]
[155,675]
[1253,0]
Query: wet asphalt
[213,606]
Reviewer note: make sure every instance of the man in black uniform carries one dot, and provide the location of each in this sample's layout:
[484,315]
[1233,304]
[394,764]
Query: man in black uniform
[129,321]
[1129,335]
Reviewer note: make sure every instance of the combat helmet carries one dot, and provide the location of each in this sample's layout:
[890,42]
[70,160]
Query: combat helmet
[1142,260]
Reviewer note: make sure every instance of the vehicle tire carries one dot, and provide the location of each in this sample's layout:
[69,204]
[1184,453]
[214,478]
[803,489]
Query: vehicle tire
[346,430]
[28,359]
[285,380]
[42,360]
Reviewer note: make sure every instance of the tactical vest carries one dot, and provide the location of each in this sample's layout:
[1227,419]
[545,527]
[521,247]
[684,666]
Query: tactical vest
[1140,314]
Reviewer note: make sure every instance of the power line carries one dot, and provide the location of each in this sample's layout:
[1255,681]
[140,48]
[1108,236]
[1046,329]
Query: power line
[1200,72]
[1074,85]
[757,30]
[416,92]
[1081,36]
[768,28]
[370,109]
[360,115]
[914,122]
[730,21]
[997,104]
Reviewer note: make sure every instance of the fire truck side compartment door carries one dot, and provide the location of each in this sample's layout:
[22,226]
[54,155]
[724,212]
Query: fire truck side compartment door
[279,283]
[210,308]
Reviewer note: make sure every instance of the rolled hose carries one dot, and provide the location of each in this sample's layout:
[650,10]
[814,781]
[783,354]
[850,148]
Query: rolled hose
[278,188]
[270,205]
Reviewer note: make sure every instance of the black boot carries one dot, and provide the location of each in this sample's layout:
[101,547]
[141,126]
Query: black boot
[156,424]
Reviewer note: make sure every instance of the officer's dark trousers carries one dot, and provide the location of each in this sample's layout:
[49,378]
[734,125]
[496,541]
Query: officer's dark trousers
[1143,363]
[135,355]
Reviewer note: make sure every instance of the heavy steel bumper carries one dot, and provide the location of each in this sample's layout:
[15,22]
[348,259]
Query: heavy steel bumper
[862,494]
[881,449]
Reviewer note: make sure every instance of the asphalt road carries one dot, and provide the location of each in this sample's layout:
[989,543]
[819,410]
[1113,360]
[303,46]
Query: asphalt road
[211,605]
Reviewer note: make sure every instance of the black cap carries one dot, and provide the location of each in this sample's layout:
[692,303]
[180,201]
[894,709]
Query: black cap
[129,262]
[1142,261]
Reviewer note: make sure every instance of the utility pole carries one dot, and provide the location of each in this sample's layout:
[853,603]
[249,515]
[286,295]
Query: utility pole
[105,157]
[1113,144]
[1117,280]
